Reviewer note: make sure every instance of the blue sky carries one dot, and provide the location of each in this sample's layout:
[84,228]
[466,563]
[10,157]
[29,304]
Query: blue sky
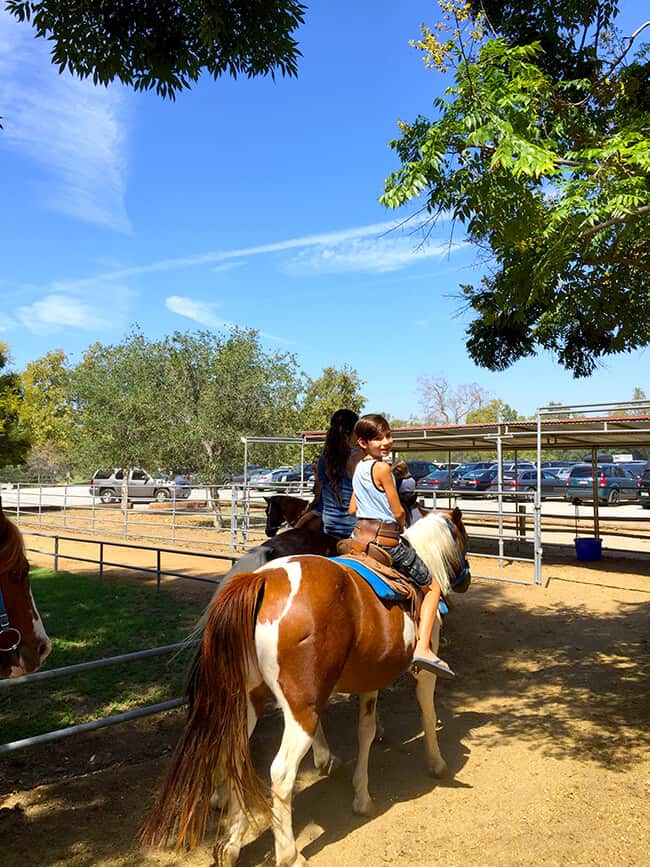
[251,203]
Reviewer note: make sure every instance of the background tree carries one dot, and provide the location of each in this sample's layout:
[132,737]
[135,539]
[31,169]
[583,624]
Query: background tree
[166,45]
[220,389]
[14,441]
[541,150]
[443,404]
[336,388]
[495,409]
[118,393]
[46,410]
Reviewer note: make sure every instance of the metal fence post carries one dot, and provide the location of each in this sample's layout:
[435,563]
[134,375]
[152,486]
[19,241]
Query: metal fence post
[56,553]
[158,570]
[65,504]
[101,559]
[233,519]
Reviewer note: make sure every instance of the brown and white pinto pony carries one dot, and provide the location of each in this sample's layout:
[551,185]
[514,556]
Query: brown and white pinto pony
[296,630]
[24,644]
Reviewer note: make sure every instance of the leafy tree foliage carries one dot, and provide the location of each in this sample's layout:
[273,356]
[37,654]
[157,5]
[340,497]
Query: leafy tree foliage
[14,442]
[494,410]
[46,409]
[336,388]
[220,389]
[183,401]
[166,45]
[541,150]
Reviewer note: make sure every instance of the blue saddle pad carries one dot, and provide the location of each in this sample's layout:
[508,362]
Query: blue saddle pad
[381,588]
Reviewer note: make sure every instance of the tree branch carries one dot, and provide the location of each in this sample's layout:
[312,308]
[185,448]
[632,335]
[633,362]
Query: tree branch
[606,224]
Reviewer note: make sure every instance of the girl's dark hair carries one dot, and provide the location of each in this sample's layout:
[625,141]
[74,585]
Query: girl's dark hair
[371,426]
[337,448]
[400,470]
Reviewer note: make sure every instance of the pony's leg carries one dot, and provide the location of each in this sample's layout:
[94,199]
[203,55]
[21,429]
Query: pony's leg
[324,758]
[425,691]
[295,743]
[362,803]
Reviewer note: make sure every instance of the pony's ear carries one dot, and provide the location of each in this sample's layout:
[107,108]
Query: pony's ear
[457,516]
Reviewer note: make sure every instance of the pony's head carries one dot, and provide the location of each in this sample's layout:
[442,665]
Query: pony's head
[23,641]
[282,509]
[441,542]
[274,516]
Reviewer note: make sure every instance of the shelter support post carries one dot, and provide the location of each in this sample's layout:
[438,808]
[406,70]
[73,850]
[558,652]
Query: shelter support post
[537,507]
[500,491]
[594,481]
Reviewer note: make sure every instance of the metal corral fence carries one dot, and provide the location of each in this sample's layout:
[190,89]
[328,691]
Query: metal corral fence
[235,512]
[100,561]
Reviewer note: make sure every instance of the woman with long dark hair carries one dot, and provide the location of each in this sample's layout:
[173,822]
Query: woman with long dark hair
[335,470]
[333,485]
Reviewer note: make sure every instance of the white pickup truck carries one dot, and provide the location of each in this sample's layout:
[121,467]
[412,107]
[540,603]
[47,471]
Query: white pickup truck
[107,485]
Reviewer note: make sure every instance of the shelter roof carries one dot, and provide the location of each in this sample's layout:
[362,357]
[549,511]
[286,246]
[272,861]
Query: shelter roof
[614,433]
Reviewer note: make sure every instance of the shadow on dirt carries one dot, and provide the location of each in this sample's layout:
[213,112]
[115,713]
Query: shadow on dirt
[569,680]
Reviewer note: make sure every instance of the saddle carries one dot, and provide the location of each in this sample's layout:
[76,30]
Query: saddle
[373,557]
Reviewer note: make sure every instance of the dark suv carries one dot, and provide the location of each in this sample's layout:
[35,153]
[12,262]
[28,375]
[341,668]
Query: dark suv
[644,489]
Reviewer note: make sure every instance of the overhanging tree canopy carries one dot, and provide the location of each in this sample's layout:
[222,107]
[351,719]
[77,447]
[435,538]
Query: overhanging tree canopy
[166,45]
[541,150]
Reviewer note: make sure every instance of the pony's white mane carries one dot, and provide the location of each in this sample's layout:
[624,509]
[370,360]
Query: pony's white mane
[434,543]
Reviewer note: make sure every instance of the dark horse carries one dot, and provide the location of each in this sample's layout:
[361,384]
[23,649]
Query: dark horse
[297,630]
[23,641]
[281,510]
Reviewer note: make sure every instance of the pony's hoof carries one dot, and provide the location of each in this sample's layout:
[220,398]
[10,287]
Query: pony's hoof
[363,807]
[438,770]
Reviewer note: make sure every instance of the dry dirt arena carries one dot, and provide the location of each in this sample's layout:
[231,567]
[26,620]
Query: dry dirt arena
[546,731]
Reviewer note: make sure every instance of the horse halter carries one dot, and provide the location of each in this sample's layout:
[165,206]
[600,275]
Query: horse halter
[10,638]
[464,574]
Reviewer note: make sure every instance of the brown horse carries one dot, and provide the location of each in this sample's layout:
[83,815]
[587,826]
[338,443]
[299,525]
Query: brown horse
[282,510]
[23,641]
[297,630]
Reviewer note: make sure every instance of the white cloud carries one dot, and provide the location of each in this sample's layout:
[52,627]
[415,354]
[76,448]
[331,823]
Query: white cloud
[6,322]
[386,251]
[55,312]
[202,312]
[379,254]
[227,266]
[70,128]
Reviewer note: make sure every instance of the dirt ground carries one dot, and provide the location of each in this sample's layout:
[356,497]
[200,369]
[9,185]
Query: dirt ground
[546,731]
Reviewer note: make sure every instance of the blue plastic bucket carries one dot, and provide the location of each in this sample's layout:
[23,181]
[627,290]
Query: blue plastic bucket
[589,549]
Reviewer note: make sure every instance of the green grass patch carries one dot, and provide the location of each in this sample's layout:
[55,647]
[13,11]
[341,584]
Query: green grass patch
[88,619]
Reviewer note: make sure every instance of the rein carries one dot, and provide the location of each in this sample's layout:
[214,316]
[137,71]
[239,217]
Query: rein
[10,638]
[464,573]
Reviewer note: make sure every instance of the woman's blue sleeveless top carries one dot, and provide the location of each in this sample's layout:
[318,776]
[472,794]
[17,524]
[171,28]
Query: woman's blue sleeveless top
[336,520]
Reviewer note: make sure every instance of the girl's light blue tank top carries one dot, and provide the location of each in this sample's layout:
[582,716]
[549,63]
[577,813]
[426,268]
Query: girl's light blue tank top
[371,502]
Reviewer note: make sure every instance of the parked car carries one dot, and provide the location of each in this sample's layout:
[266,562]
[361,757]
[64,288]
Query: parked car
[107,485]
[475,480]
[562,472]
[437,480]
[644,489]
[261,477]
[294,474]
[420,469]
[551,465]
[525,481]
[251,471]
[470,466]
[509,466]
[613,482]
[637,468]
